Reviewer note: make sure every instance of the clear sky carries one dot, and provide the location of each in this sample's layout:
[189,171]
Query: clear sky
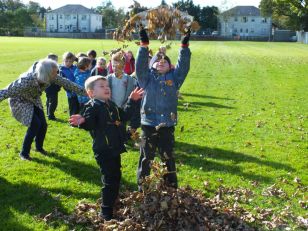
[222,4]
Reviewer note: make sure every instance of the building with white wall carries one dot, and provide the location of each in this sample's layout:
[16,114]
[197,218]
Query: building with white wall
[73,18]
[244,21]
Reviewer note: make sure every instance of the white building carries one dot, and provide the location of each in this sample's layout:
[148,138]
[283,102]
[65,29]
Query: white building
[244,21]
[73,18]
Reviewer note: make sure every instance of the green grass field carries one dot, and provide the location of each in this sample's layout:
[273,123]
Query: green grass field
[242,123]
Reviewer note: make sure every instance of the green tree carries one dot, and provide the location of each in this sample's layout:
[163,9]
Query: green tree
[207,17]
[292,14]
[112,17]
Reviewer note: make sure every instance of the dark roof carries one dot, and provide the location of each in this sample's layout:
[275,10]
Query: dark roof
[243,11]
[73,9]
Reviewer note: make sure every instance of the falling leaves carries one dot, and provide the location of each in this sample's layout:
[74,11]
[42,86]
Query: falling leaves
[162,23]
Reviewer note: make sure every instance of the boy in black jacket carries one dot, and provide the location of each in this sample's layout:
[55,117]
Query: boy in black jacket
[105,120]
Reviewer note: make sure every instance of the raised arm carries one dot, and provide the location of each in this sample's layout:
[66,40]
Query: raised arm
[183,64]
[142,64]
[69,85]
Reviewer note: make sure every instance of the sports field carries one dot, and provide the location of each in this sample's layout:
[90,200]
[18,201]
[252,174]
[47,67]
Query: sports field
[242,124]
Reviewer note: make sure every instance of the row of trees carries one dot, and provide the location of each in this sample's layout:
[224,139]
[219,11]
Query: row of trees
[15,16]
[287,14]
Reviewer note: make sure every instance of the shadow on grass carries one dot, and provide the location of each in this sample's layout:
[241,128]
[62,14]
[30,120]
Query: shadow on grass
[81,171]
[196,105]
[24,198]
[207,162]
[204,96]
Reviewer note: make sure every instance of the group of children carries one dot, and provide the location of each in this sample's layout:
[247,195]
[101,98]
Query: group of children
[113,101]
[86,65]
[114,97]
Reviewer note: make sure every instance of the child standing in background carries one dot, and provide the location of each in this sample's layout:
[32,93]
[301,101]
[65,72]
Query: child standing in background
[52,94]
[92,55]
[129,67]
[82,73]
[100,68]
[67,70]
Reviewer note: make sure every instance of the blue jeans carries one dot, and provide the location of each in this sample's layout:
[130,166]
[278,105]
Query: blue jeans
[37,130]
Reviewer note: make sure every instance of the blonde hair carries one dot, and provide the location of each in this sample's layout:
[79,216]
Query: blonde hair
[90,82]
[118,57]
[44,70]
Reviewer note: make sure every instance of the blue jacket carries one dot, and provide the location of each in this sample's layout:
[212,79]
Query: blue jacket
[80,79]
[159,102]
[68,73]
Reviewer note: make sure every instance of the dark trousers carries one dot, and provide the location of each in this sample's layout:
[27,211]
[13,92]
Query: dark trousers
[111,177]
[163,140]
[51,104]
[73,105]
[37,129]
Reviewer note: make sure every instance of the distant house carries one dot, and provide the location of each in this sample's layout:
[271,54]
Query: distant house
[244,21]
[73,18]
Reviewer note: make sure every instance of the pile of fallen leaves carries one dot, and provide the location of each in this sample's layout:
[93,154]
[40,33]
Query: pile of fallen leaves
[160,207]
[162,23]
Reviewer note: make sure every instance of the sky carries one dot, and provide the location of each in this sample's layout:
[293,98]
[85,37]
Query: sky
[221,4]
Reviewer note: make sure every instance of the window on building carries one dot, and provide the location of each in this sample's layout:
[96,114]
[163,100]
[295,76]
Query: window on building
[66,27]
[252,19]
[264,20]
[74,17]
[252,31]
[246,30]
[235,30]
[61,27]
[83,28]
[241,30]
[60,16]
[67,17]
[84,17]
[51,17]
[235,19]
[244,19]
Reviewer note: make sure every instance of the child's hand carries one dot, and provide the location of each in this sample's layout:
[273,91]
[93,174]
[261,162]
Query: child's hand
[185,39]
[76,120]
[143,36]
[136,94]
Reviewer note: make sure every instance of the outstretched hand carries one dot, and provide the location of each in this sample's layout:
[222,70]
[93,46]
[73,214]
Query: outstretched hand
[185,39]
[76,120]
[143,35]
[136,94]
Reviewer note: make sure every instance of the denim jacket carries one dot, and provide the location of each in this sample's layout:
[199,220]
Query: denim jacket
[80,79]
[159,102]
[68,73]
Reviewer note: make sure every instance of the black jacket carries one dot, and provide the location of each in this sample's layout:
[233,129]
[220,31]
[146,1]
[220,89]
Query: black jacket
[105,123]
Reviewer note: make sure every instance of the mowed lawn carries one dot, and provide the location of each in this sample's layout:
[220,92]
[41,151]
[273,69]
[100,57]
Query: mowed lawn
[242,124]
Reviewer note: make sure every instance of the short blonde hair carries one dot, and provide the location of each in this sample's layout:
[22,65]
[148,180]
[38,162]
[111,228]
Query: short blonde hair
[44,70]
[90,82]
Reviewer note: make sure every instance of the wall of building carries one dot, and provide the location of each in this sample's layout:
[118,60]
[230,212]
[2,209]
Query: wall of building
[245,26]
[73,22]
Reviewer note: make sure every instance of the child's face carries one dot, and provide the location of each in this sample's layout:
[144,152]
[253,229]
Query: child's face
[117,67]
[100,90]
[162,66]
[68,62]
[129,55]
[101,64]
